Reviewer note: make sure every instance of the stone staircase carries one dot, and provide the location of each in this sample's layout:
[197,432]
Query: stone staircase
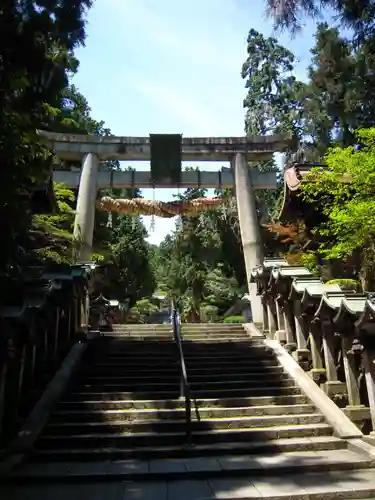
[122,419]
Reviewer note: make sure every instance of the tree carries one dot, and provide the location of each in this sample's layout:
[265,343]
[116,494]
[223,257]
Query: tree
[131,275]
[120,246]
[356,15]
[332,96]
[194,265]
[53,233]
[345,193]
[272,102]
[37,41]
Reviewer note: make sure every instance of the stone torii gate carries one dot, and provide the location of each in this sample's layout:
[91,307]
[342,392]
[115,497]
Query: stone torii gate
[89,151]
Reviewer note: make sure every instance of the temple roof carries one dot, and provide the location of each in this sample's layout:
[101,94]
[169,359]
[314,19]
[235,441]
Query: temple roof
[351,309]
[33,294]
[267,267]
[300,284]
[289,272]
[324,300]
[330,303]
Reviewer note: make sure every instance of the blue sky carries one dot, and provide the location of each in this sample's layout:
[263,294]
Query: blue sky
[173,66]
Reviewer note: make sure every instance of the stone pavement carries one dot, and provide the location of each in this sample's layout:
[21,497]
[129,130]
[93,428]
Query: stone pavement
[359,484]
[196,467]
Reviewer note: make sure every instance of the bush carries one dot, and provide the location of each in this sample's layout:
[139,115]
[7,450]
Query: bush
[235,319]
[346,284]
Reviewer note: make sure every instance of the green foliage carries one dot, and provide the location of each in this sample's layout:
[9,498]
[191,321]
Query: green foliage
[195,265]
[57,228]
[134,278]
[309,260]
[121,249]
[141,311]
[36,57]
[234,319]
[209,313]
[359,16]
[346,283]
[345,194]
[272,102]
[334,95]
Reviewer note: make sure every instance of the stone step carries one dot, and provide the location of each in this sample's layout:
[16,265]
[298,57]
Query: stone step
[165,337]
[124,439]
[156,372]
[221,340]
[247,383]
[195,468]
[133,340]
[124,342]
[130,376]
[122,396]
[163,426]
[168,328]
[183,325]
[261,372]
[209,331]
[141,328]
[234,367]
[190,361]
[245,392]
[178,413]
[129,342]
[203,326]
[140,325]
[149,352]
[198,338]
[228,354]
[165,329]
[153,358]
[253,365]
[164,394]
[217,354]
[140,360]
[216,334]
[211,326]
[248,356]
[147,334]
[133,377]
[106,385]
[103,352]
[245,344]
[260,401]
[141,331]
[135,386]
[197,349]
[125,337]
[266,447]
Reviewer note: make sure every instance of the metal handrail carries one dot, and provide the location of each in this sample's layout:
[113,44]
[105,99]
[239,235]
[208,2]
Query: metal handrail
[184,387]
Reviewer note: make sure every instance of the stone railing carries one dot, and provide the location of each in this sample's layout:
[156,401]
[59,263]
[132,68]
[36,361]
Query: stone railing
[330,332]
[41,320]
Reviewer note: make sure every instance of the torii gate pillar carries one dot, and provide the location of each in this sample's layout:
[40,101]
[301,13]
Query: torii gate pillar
[250,229]
[85,212]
